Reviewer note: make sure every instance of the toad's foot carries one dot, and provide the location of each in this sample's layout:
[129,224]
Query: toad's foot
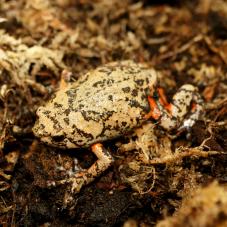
[85,177]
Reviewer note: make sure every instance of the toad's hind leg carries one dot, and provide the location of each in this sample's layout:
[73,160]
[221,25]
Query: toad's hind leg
[182,113]
[82,178]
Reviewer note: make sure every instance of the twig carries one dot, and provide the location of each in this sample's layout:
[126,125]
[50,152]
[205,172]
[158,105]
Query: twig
[182,48]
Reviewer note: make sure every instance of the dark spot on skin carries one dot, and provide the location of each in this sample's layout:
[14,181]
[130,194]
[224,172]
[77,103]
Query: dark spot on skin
[147,91]
[81,106]
[124,123]
[74,142]
[71,101]
[123,79]
[57,105]
[126,99]
[104,129]
[96,84]
[91,115]
[47,112]
[67,112]
[110,97]
[134,92]
[58,138]
[134,103]
[174,118]
[137,120]
[89,136]
[99,83]
[107,115]
[56,124]
[139,82]
[126,89]
[116,128]
[71,93]
[132,70]
[176,106]
[180,102]
[53,96]
[109,81]
[144,97]
[41,126]
[155,95]
[66,120]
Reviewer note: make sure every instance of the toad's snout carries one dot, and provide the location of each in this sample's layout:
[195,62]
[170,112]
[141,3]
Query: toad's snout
[39,128]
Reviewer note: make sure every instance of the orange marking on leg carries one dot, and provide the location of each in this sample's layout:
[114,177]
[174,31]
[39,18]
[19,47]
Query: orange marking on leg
[154,112]
[96,146]
[169,108]
[194,106]
[79,175]
[163,100]
[162,97]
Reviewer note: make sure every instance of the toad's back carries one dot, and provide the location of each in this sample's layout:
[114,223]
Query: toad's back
[104,103]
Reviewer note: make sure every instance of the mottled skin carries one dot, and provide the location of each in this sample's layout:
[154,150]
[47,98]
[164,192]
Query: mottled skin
[103,104]
[106,103]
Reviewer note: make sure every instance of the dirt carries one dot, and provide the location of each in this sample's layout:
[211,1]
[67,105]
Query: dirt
[157,179]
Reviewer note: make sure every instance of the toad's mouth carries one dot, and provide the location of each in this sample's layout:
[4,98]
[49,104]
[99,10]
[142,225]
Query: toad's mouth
[58,139]
[52,142]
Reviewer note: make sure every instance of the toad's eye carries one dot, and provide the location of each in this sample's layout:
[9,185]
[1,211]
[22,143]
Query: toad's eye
[58,138]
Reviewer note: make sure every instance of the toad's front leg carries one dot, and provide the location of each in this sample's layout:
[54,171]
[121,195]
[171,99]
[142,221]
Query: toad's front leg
[82,178]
